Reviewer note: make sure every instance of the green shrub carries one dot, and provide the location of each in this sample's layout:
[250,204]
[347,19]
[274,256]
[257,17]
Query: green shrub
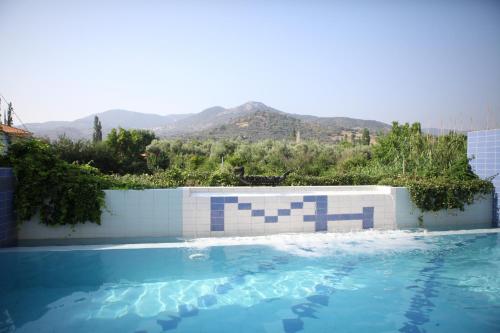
[62,193]
[442,193]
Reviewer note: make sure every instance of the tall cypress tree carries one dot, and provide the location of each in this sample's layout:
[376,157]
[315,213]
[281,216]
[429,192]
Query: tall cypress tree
[10,110]
[97,137]
[366,137]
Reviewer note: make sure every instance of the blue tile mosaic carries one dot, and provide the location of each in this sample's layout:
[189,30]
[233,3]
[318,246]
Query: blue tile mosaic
[186,310]
[270,219]
[206,301]
[231,199]
[7,218]
[170,324]
[284,212]
[292,325]
[223,288]
[244,206]
[320,218]
[483,147]
[258,212]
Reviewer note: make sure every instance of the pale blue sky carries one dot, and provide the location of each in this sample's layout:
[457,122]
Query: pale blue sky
[429,60]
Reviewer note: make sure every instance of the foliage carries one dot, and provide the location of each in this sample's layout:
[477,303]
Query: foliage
[97,135]
[365,138]
[443,193]
[435,169]
[127,147]
[62,193]
[8,120]
[121,152]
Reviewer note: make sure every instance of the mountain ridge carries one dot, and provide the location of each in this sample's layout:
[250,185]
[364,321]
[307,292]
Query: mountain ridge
[251,120]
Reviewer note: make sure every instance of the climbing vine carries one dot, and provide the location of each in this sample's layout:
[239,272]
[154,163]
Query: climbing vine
[60,192]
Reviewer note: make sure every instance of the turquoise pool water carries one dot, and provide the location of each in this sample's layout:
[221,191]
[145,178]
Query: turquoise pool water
[365,282]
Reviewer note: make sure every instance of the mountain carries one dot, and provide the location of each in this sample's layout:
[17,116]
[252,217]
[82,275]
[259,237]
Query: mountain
[249,121]
[82,128]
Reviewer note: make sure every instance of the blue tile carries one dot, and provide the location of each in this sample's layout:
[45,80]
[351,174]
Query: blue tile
[305,310]
[217,206]
[217,200]
[368,211]
[206,301]
[368,223]
[293,325]
[322,205]
[271,219]
[223,288]
[257,212]
[217,220]
[323,289]
[321,226]
[309,198]
[244,206]
[309,218]
[231,200]
[297,205]
[217,213]
[321,198]
[284,212]
[216,227]
[186,310]
[322,218]
[171,324]
[319,299]
[321,211]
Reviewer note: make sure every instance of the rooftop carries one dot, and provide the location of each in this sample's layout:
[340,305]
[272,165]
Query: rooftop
[14,131]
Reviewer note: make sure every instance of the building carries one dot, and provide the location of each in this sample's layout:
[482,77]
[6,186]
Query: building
[9,134]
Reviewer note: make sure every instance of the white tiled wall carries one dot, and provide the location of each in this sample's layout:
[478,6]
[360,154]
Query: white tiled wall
[128,214]
[341,200]
[186,212]
[477,215]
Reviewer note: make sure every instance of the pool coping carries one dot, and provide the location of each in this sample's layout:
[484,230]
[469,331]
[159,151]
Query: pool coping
[252,240]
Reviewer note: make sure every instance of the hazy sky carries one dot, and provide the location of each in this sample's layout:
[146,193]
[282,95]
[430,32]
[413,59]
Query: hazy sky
[434,61]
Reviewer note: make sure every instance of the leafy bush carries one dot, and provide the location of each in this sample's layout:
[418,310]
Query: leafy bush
[435,169]
[442,193]
[62,193]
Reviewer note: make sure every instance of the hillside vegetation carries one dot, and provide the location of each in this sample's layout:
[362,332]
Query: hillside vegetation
[250,121]
[435,169]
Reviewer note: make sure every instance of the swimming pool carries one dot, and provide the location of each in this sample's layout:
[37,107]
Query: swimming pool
[370,281]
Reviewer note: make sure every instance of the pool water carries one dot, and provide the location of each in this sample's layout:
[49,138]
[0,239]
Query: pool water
[360,282]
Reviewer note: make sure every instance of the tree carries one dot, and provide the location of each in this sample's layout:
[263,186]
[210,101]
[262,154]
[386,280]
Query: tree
[97,137]
[365,139]
[10,110]
[128,147]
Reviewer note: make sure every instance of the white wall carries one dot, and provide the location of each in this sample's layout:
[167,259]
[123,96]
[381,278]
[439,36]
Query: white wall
[128,214]
[347,200]
[186,212]
[477,215]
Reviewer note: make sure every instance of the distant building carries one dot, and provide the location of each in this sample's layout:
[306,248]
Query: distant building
[9,134]
[484,149]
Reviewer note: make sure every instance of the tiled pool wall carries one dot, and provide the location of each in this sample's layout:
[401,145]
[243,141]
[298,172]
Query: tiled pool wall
[7,224]
[484,149]
[251,211]
[263,211]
